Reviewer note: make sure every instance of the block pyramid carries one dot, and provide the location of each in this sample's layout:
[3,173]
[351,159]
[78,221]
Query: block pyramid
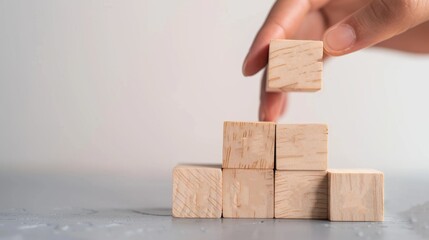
[272,170]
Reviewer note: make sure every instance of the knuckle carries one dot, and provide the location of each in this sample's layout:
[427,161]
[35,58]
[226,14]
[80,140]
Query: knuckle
[394,12]
[390,10]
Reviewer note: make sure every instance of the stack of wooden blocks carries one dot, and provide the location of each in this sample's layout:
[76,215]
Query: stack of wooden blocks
[274,170]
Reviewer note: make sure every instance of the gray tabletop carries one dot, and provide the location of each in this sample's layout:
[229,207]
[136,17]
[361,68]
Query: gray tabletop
[104,206]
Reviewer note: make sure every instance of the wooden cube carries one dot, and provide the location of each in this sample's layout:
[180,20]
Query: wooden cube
[301,147]
[248,193]
[248,145]
[197,191]
[301,194]
[356,195]
[294,65]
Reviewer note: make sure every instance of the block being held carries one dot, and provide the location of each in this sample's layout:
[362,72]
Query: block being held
[294,66]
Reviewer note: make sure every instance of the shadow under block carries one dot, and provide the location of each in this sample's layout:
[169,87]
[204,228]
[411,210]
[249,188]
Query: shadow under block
[294,65]
[356,195]
[197,191]
[248,193]
[301,146]
[248,145]
[301,194]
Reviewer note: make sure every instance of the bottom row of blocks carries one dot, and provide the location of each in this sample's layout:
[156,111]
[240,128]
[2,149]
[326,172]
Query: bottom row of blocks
[337,195]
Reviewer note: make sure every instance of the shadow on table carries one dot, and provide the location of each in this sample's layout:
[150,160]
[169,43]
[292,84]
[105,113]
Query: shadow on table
[153,211]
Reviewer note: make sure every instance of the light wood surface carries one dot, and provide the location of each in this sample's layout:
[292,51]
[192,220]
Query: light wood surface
[248,193]
[197,191]
[301,146]
[294,65]
[248,145]
[301,194]
[356,195]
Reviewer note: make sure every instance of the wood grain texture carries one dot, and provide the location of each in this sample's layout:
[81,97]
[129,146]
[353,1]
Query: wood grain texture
[356,195]
[301,147]
[248,145]
[294,65]
[301,194]
[248,193]
[197,191]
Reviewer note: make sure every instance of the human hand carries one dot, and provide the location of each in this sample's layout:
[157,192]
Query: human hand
[345,26]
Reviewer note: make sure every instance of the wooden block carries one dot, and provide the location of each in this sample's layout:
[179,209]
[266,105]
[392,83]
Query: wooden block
[356,195]
[248,193]
[301,194]
[301,147]
[197,191]
[294,65]
[248,145]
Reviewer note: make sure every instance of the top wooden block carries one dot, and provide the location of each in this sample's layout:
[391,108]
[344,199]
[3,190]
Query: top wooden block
[295,66]
[248,145]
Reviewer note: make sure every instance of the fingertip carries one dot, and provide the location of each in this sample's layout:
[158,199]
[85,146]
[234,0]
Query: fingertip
[272,106]
[244,67]
[261,114]
[339,39]
[271,118]
[256,59]
[252,65]
[266,115]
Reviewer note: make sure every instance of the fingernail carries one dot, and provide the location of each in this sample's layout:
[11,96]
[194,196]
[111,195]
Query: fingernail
[340,38]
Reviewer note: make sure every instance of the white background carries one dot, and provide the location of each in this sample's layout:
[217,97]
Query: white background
[135,87]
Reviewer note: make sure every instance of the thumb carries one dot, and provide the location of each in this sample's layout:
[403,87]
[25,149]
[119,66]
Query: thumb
[374,23]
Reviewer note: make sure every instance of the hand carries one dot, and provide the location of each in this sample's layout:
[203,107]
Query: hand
[345,26]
